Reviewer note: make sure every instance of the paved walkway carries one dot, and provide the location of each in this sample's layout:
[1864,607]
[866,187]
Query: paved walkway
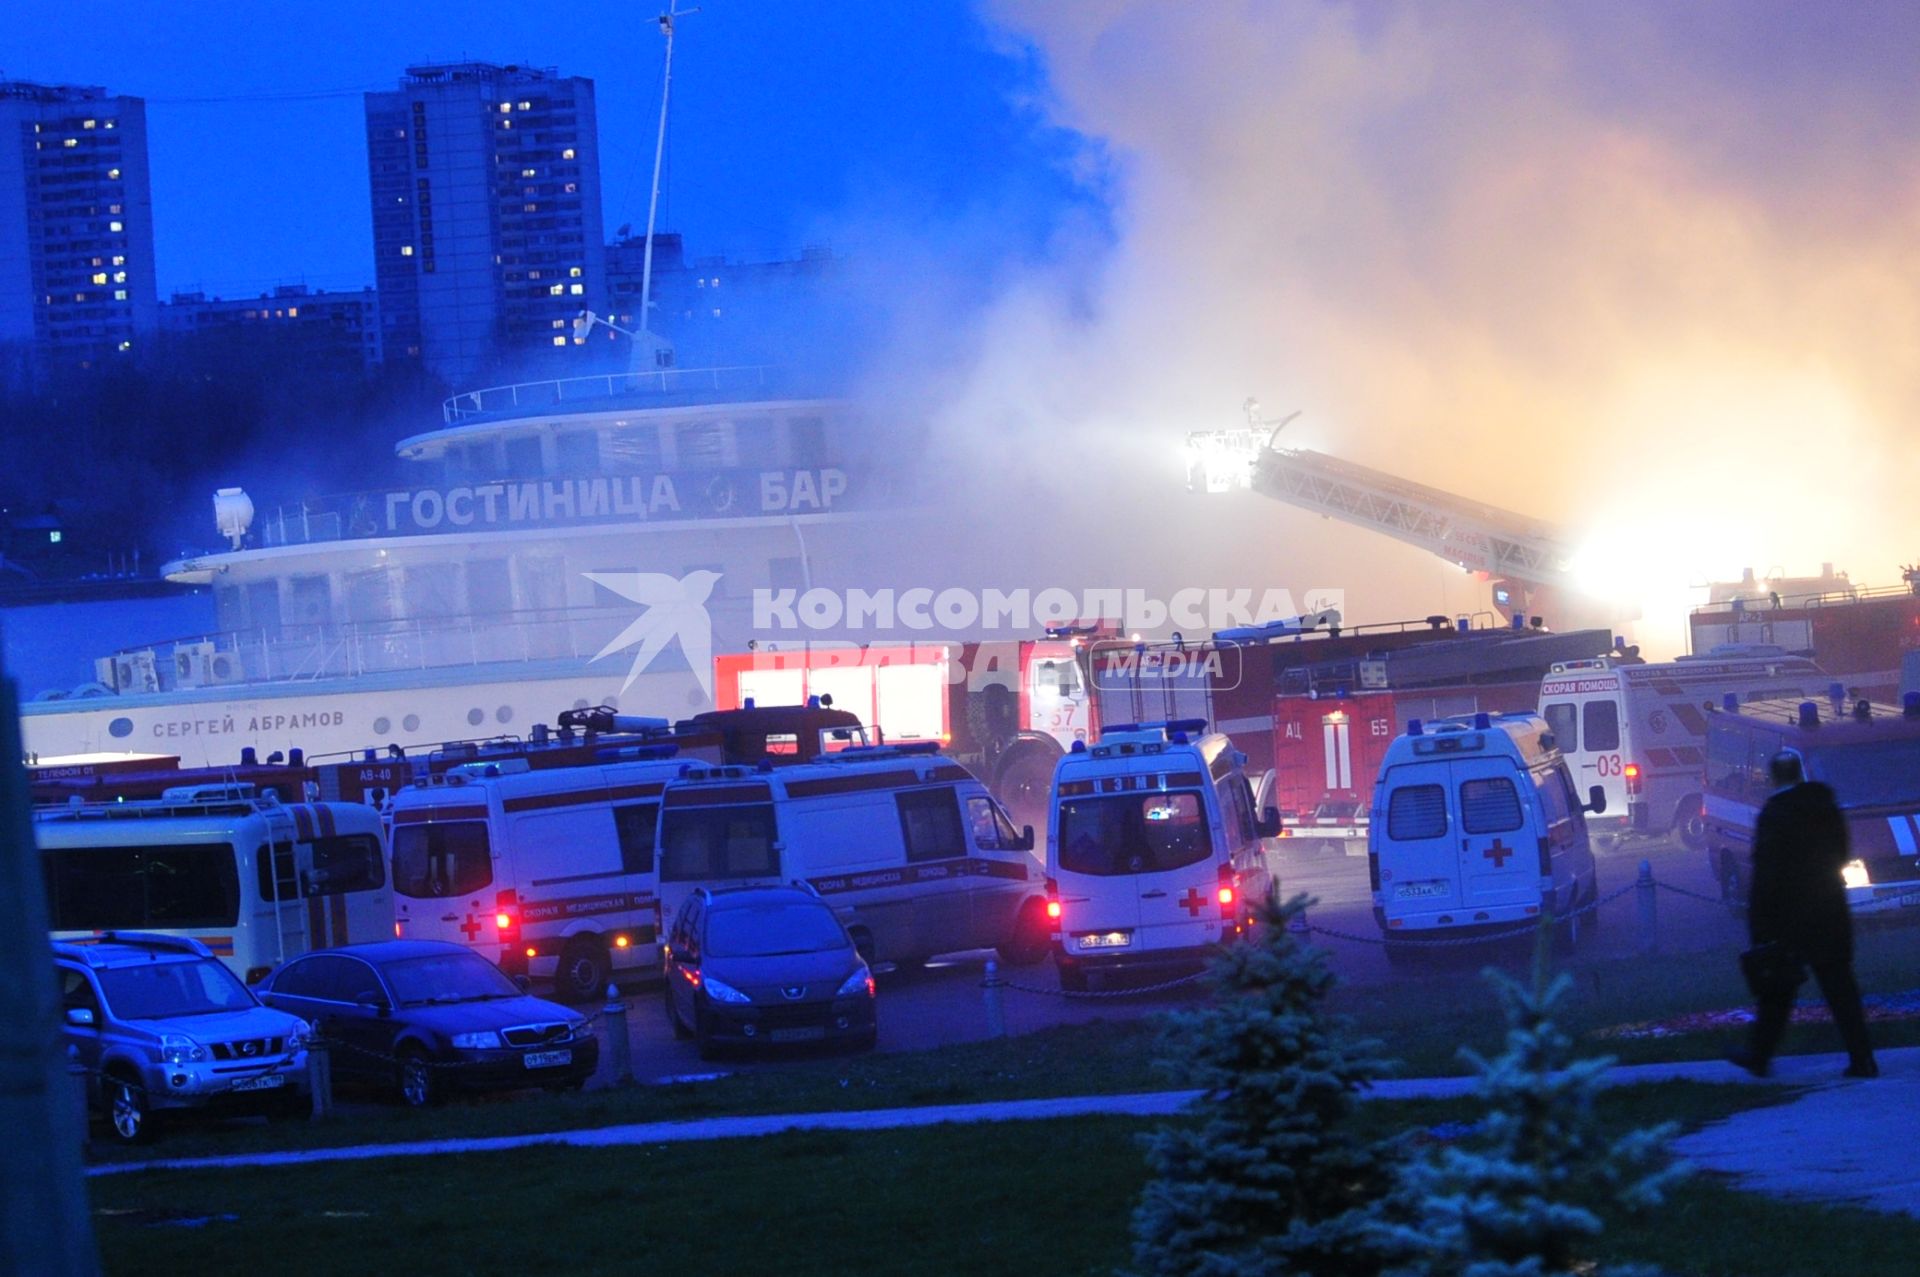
[1843,1141]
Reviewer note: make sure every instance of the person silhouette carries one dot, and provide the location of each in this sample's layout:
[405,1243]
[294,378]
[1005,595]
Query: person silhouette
[1799,902]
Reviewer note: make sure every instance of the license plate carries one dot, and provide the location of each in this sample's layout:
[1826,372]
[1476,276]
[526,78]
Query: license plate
[812,1033]
[1106,940]
[547,1059]
[1415,890]
[265,1082]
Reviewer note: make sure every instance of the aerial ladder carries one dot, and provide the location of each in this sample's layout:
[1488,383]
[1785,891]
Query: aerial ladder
[1527,560]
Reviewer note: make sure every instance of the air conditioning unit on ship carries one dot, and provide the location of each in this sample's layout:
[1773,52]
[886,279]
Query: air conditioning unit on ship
[104,672]
[203,664]
[136,671]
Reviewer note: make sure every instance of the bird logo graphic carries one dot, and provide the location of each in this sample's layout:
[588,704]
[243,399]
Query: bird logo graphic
[676,608]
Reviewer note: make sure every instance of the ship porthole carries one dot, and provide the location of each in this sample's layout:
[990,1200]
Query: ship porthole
[476,716]
[120,727]
[382,725]
[411,723]
[504,714]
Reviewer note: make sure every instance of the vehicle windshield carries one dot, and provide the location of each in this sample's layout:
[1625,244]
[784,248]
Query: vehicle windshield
[447,977]
[1870,774]
[444,858]
[163,990]
[761,931]
[1133,833]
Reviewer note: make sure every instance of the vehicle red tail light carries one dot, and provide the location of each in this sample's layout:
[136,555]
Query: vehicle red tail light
[1632,772]
[506,917]
[1053,901]
[1229,891]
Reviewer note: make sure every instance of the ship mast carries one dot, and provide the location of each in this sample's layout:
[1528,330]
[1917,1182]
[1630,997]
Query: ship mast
[666,21]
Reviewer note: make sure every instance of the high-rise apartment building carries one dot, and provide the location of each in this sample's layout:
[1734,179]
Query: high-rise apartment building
[486,214]
[76,221]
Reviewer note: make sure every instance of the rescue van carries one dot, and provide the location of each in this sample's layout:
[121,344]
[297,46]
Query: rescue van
[907,845]
[1868,753]
[256,880]
[1476,828]
[549,873]
[1153,849]
[1639,731]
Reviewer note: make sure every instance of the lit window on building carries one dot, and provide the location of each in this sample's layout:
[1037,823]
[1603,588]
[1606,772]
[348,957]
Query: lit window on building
[406,250]
[577,289]
[293,312]
[560,341]
[574,271]
[88,124]
[72,141]
[53,534]
[567,154]
[114,174]
[115,226]
[528,172]
[119,261]
[571,188]
[119,294]
[98,262]
[556,290]
[533,274]
[505,107]
[126,345]
[506,124]
[110,123]
[526,106]
[100,277]
[119,277]
[113,208]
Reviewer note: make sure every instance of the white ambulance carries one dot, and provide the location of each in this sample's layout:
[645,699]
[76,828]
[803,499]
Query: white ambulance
[909,848]
[256,880]
[1476,828]
[1639,731]
[549,873]
[1153,849]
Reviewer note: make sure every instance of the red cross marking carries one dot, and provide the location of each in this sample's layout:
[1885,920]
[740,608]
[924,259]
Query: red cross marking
[1498,854]
[472,929]
[1193,902]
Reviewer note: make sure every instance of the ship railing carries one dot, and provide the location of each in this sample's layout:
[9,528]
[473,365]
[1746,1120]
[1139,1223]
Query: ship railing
[1763,603]
[307,653]
[533,396]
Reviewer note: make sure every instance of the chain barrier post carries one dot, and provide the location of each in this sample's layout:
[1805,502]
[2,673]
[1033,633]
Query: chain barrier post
[1649,909]
[320,1078]
[619,1046]
[996,1001]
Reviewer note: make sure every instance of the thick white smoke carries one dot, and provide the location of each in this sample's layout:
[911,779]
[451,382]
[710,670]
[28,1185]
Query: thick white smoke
[1649,271]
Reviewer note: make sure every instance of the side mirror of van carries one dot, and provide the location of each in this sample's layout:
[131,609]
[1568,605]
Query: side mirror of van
[1268,825]
[1026,838]
[1597,800]
[80,1017]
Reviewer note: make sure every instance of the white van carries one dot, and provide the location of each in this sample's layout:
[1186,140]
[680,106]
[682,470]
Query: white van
[1153,849]
[548,873]
[909,848]
[1476,828]
[196,863]
[1640,731]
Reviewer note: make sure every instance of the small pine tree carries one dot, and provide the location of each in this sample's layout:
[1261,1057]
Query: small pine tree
[1269,1180]
[1509,1203]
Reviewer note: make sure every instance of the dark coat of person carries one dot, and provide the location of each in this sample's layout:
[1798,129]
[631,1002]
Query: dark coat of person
[1798,898]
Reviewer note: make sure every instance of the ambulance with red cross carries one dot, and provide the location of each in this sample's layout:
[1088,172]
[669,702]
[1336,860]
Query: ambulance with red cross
[548,873]
[1153,849]
[1476,829]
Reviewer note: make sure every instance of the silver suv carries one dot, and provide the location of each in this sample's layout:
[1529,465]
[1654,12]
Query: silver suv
[161,1024]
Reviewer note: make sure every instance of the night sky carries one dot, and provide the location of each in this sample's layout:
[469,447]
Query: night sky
[791,124]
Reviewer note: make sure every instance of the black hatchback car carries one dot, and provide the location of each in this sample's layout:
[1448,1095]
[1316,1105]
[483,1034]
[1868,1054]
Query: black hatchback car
[751,965]
[430,1018]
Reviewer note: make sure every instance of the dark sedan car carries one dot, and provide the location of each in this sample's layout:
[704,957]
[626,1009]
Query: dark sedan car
[430,1018]
[752,965]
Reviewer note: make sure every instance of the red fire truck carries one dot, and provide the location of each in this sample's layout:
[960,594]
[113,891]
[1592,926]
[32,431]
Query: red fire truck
[1006,709]
[1314,705]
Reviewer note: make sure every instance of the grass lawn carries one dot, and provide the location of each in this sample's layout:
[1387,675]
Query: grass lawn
[957,1199]
[1421,1021]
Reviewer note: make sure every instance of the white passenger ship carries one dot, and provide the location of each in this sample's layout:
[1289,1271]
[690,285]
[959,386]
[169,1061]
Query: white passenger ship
[482,600]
